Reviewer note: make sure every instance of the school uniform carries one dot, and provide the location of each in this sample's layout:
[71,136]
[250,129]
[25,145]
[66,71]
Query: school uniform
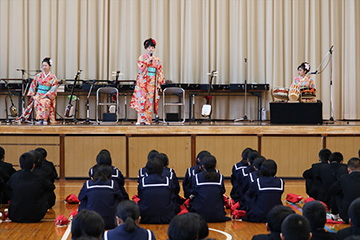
[246,200]
[102,197]
[242,178]
[157,199]
[119,233]
[271,236]
[321,234]
[50,168]
[7,169]
[344,192]
[313,180]
[235,191]
[265,193]
[187,182]
[330,173]
[29,201]
[208,200]
[116,175]
[347,232]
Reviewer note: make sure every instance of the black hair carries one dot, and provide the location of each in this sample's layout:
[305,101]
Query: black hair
[188,226]
[268,168]
[258,162]
[154,166]
[276,216]
[353,237]
[354,164]
[149,43]
[129,212]
[152,154]
[42,151]
[103,172]
[336,157]
[354,212]
[315,213]
[47,60]
[27,161]
[359,153]
[2,153]
[103,158]
[295,227]
[201,156]
[209,165]
[38,158]
[164,158]
[324,155]
[245,153]
[303,67]
[252,155]
[87,223]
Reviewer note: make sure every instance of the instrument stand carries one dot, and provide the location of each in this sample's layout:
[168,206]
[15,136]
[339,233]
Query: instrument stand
[7,120]
[87,105]
[245,118]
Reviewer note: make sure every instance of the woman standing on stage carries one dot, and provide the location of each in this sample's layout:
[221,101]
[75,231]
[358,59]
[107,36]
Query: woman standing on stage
[43,90]
[149,79]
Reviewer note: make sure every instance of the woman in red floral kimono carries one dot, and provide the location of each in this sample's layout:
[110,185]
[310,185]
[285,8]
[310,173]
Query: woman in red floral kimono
[149,79]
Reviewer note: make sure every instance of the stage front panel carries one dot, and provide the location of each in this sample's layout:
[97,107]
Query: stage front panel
[178,150]
[81,152]
[293,154]
[348,146]
[226,149]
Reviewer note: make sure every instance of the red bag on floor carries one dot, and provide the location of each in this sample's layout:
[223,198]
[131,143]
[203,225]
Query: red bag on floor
[187,203]
[73,214]
[136,199]
[310,199]
[293,198]
[61,220]
[237,214]
[228,202]
[235,206]
[72,199]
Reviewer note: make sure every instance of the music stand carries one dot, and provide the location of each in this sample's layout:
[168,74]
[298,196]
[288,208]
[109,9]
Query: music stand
[245,118]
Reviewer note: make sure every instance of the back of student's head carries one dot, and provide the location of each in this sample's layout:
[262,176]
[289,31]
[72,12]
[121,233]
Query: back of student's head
[354,164]
[336,157]
[38,157]
[315,213]
[252,155]
[27,161]
[42,151]
[103,157]
[2,153]
[201,155]
[209,166]
[152,154]
[87,223]
[295,227]
[258,162]
[245,153]
[189,226]
[268,168]
[276,216]
[354,212]
[129,212]
[324,155]
[164,158]
[154,166]
[102,173]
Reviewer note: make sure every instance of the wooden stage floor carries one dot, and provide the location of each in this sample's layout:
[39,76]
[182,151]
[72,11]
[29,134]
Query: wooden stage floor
[46,229]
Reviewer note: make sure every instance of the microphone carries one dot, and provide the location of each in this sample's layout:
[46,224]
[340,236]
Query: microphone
[331,49]
[20,69]
[313,72]
[38,71]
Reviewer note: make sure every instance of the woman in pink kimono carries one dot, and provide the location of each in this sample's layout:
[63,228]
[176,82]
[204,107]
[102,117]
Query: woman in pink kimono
[43,90]
[149,79]
[303,80]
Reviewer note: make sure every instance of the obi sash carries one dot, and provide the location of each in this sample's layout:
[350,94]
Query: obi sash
[43,89]
[151,71]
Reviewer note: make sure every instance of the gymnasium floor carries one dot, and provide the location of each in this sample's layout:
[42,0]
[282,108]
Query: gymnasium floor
[46,229]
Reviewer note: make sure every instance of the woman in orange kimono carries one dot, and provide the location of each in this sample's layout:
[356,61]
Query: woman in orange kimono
[43,91]
[149,79]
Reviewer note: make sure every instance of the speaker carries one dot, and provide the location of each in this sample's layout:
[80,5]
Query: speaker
[172,117]
[109,117]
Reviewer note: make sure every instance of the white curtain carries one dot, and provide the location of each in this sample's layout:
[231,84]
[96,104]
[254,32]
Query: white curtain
[193,37]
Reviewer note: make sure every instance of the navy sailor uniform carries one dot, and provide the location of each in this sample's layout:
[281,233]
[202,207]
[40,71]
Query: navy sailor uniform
[187,183]
[120,233]
[236,188]
[157,199]
[208,200]
[103,197]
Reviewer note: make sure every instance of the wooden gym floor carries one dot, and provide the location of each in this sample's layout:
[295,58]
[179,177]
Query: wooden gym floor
[46,229]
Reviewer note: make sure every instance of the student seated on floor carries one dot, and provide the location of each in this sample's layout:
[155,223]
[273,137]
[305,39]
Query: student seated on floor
[296,227]
[6,170]
[188,226]
[354,219]
[87,224]
[315,213]
[312,175]
[102,195]
[275,218]
[207,193]
[142,171]
[128,217]
[265,193]
[157,195]
[190,172]
[47,165]
[28,198]
[104,158]
[346,189]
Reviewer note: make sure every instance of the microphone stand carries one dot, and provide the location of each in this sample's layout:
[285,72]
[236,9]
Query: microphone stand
[245,118]
[87,105]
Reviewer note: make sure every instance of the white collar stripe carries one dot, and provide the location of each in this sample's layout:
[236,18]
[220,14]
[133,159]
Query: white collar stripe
[156,184]
[281,188]
[111,186]
[208,183]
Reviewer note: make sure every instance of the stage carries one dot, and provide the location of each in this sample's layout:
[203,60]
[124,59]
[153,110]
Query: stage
[73,147]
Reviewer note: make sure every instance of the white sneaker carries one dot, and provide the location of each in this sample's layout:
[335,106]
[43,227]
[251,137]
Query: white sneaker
[45,123]
[137,123]
[147,123]
[38,122]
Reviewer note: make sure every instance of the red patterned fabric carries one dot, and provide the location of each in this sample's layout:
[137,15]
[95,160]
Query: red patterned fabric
[72,199]
[293,198]
[61,220]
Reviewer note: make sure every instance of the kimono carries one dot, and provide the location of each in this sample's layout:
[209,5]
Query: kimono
[143,97]
[305,82]
[44,86]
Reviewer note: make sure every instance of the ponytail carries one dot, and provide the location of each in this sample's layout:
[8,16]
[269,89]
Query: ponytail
[210,173]
[129,212]
[103,173]
[130,224]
